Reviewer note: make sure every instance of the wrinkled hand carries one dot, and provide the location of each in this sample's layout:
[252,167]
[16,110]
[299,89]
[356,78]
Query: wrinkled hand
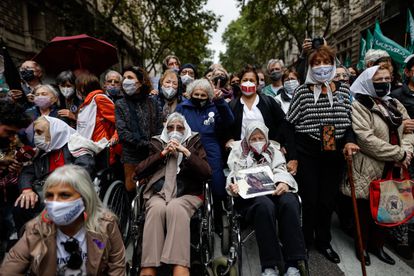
[229,144]
[234,189]
[350,149]
[154,92]
[66,113]
[281,188]
[27,199]
[179,147]
[408,125]
[30,97]
[407,160]
[306,47]
[292,167]
[16,94]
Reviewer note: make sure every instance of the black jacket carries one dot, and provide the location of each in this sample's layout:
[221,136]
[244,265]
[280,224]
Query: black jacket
[274,118]
[406,97]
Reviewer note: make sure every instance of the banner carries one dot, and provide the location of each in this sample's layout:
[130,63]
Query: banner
[362,52]
[370,40]
[396,51]
[410,27]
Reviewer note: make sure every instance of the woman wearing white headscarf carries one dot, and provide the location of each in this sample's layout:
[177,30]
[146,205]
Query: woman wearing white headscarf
[377,123]
[174,174]
[257,150]
[51,138]
[320,111]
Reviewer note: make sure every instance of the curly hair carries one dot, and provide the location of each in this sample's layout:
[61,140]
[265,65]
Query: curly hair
[12,114]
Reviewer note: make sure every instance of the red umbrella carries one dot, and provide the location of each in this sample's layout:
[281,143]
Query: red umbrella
[77,52]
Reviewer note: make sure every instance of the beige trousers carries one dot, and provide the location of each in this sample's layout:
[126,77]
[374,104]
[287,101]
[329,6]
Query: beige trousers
[166,237]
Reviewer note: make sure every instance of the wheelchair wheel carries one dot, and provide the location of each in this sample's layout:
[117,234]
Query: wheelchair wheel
[117,200]
[225,238]
[220,266]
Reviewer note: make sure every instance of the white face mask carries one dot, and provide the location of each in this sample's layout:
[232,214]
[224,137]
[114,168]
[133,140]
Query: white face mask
[129,86]
[64,213]
[168,92]
[290,86]
[258,146]
[176,135]
[186,79]
[40,142]
[67,91]
[322,73]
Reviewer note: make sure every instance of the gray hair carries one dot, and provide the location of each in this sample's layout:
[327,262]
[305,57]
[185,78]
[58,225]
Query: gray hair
[202,84]
[372,55]
[51,89]
[274,61]
[79,179]
[112,72]
[65,76]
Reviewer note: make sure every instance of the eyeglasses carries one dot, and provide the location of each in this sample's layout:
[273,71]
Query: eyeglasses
[175,127]
[72,247]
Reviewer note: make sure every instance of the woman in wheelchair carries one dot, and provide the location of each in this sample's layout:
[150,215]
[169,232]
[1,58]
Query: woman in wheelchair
[174,174]
[263,211]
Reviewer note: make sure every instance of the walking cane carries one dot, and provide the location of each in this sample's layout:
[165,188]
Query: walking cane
[357,225]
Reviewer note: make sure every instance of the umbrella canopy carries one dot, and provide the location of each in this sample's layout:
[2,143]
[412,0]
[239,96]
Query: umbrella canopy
[77,52]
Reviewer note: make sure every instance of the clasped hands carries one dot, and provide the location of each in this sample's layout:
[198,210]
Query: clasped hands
[173,146]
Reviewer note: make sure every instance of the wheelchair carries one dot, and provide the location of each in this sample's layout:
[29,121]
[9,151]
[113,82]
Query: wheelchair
[109,185]
[236,232]
[201,240]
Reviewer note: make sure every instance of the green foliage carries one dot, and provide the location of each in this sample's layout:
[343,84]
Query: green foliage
[264,26]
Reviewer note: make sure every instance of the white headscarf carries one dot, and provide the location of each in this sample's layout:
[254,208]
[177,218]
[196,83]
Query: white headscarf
[60,133]
[364,85]
[173,117]
[317,90]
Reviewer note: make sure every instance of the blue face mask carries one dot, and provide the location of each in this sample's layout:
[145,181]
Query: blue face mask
[113,90]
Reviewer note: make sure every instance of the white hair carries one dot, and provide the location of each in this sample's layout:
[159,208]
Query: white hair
[112,72]
[274,61]
[49,88]
[372,55]
[202,84]
[79,179]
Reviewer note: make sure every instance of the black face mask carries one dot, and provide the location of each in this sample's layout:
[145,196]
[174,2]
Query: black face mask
[382,88]
[352,79]
[27,75]
[275,76]
[198,102]
[223,81]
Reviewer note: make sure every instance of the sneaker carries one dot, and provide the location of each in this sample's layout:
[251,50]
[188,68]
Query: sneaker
[292,271]
[270,272]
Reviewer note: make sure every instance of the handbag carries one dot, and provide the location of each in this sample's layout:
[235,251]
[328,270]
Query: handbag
[391,200]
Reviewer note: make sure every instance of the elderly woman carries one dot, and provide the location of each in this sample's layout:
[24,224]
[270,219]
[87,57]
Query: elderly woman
[74,235]
[170,95]
[46,100]
[51,139]
[377,123]
[209,114]
[220,79]
[174,174]
[321,114]
[257,150]
[290,83]
[275,69]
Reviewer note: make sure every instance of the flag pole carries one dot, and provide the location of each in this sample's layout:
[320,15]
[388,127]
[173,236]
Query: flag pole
[405,40]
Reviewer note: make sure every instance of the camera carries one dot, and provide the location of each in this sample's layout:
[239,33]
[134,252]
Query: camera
[317,42]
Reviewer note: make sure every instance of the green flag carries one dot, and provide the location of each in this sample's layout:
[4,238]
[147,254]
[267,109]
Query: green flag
[370,40]
[410,27]
[347,62]
[362,51]
[396,51]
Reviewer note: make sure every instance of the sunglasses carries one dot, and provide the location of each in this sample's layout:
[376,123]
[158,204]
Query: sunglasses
[72,247]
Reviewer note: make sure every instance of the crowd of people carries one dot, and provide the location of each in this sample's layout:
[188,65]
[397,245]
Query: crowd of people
[301,121]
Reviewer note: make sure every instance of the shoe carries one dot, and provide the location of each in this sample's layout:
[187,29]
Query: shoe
[380,253]
[270,272]
[292,271]
[330,254]
[366,257]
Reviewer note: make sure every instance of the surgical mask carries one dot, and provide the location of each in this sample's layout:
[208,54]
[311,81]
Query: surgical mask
[262,84]
[40,142]
[129,86]
[290,86]
[64,213]
[199,102]
[168,92]
[27,74]
[322,73]
[382,88]
[42,102]
[248,88]
[276,75]
[176,135]
[113,90]
[67,92]
[258,146]
[186,79]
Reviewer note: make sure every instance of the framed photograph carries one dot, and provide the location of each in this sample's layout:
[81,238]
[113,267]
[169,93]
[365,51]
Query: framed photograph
[255,181]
